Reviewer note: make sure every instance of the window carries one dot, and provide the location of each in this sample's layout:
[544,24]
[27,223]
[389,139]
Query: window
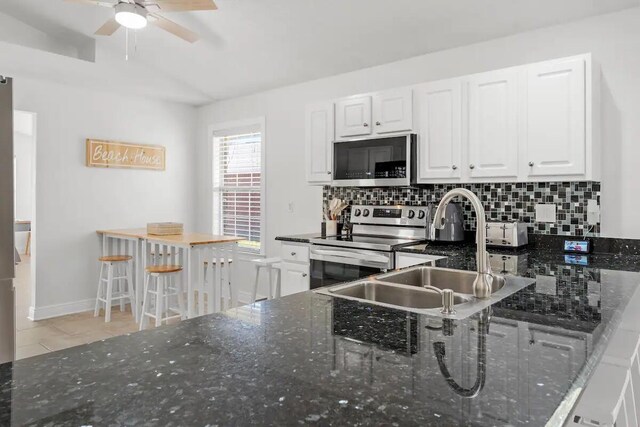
[238,185]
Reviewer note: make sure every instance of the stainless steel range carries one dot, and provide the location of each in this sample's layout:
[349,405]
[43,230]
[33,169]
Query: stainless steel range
[370,249]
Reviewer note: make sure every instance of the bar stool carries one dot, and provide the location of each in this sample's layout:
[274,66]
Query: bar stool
[158,288]
[270,265]
[224,265]
[118,287]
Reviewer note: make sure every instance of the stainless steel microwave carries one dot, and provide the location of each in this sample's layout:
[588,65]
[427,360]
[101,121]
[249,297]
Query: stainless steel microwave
[373,162]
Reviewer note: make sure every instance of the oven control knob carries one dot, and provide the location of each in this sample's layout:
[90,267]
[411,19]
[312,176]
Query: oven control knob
[421,214]
[411,214]
[365,212]
[356,212]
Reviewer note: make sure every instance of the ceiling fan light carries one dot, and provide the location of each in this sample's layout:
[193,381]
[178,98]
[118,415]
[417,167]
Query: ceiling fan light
[131,16]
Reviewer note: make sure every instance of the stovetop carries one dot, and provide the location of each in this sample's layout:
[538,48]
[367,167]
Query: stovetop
[365,241]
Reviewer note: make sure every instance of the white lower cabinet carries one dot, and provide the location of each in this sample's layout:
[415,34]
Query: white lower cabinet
[295,278]
[560,355]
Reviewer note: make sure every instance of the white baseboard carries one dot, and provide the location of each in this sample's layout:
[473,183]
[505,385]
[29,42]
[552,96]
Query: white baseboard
[73,307]
[57,310]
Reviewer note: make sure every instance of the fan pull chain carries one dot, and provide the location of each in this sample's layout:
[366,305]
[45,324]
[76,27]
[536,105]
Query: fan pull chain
[126,42]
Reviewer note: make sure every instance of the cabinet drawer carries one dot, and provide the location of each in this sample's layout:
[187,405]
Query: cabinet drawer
[295,253]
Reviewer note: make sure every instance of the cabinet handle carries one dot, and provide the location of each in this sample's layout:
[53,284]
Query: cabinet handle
[365,125]
[328,172]
[304,274]
[293,254]
[378,124]
[531,164]
[472,166]
[454,167]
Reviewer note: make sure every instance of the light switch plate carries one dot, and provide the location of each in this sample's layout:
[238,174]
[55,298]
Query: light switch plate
[545,212]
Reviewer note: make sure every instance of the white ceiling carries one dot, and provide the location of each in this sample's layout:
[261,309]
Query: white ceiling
[253,45]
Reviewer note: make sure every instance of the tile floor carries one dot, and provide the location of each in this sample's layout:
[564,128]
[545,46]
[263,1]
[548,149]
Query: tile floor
[44,336]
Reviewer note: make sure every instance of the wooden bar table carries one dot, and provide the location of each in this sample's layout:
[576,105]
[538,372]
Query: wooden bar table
[189,250]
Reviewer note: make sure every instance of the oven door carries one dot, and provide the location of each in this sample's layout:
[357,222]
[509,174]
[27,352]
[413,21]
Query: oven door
[332,265]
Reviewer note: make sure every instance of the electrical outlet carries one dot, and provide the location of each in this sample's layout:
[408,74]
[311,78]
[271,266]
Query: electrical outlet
[593,212]
[545,212]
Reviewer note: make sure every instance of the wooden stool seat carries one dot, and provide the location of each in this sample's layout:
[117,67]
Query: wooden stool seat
[115,258]
[160,269]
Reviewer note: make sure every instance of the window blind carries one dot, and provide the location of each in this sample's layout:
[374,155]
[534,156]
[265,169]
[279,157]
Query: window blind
[237,184]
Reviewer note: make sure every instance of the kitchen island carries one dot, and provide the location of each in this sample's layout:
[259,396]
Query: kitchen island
[312,359]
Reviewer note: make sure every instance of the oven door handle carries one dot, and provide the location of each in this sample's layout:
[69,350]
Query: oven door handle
[353,255]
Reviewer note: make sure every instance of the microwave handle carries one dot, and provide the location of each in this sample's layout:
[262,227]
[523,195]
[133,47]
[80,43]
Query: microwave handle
[346,254]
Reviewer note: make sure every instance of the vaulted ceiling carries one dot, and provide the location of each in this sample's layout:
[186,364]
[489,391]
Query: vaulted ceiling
[252,45]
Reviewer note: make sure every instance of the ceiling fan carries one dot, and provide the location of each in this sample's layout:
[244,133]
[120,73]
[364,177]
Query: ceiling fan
[135,14]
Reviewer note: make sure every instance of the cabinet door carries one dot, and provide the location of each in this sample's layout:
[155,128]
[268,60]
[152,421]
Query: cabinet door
[493,124]
[554,362]
[295,278]
[555,118]
[439,127]
[392,111]
[353,116]
[319,140]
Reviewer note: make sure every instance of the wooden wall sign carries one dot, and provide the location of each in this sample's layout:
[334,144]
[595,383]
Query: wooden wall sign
[112,154]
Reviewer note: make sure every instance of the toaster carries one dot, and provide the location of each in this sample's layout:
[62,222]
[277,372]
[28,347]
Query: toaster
[507,234]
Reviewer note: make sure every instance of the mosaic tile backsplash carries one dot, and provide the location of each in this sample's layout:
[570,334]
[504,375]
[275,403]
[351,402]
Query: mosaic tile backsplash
[502,202]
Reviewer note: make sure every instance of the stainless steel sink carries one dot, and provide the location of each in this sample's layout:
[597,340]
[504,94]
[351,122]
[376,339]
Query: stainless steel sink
[403,290]
[393,294]
[458,281]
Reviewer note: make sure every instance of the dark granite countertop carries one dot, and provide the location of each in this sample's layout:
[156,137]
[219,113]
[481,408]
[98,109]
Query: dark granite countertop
[299,238]
[311,359]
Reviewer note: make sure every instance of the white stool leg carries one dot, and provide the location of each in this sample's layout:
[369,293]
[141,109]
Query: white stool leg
[130,290]
[278,281]
[270,275]
[119,266]
[145,301]
[107,309]
[159,295]
[255,285]
[96,311]
[183,312]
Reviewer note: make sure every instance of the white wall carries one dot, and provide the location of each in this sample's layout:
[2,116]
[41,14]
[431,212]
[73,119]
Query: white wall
[73,201]
[613,39]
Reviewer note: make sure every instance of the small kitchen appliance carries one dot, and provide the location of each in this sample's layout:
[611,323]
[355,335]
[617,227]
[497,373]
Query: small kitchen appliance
[453,230]
[507,234]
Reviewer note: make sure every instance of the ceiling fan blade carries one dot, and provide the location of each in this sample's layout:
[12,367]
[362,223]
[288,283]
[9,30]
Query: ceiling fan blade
[92,2]
[108,28]
[182,5]
[173,28]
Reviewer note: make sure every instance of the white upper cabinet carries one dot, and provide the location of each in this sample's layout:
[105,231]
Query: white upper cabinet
[554,118]
[319,130]
[439,120]
[392,111]
[493,124]
[353,116]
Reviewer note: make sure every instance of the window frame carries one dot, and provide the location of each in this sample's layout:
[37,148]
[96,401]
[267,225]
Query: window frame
[229,128]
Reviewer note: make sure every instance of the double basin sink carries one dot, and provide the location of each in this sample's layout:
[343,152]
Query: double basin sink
[417,289]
